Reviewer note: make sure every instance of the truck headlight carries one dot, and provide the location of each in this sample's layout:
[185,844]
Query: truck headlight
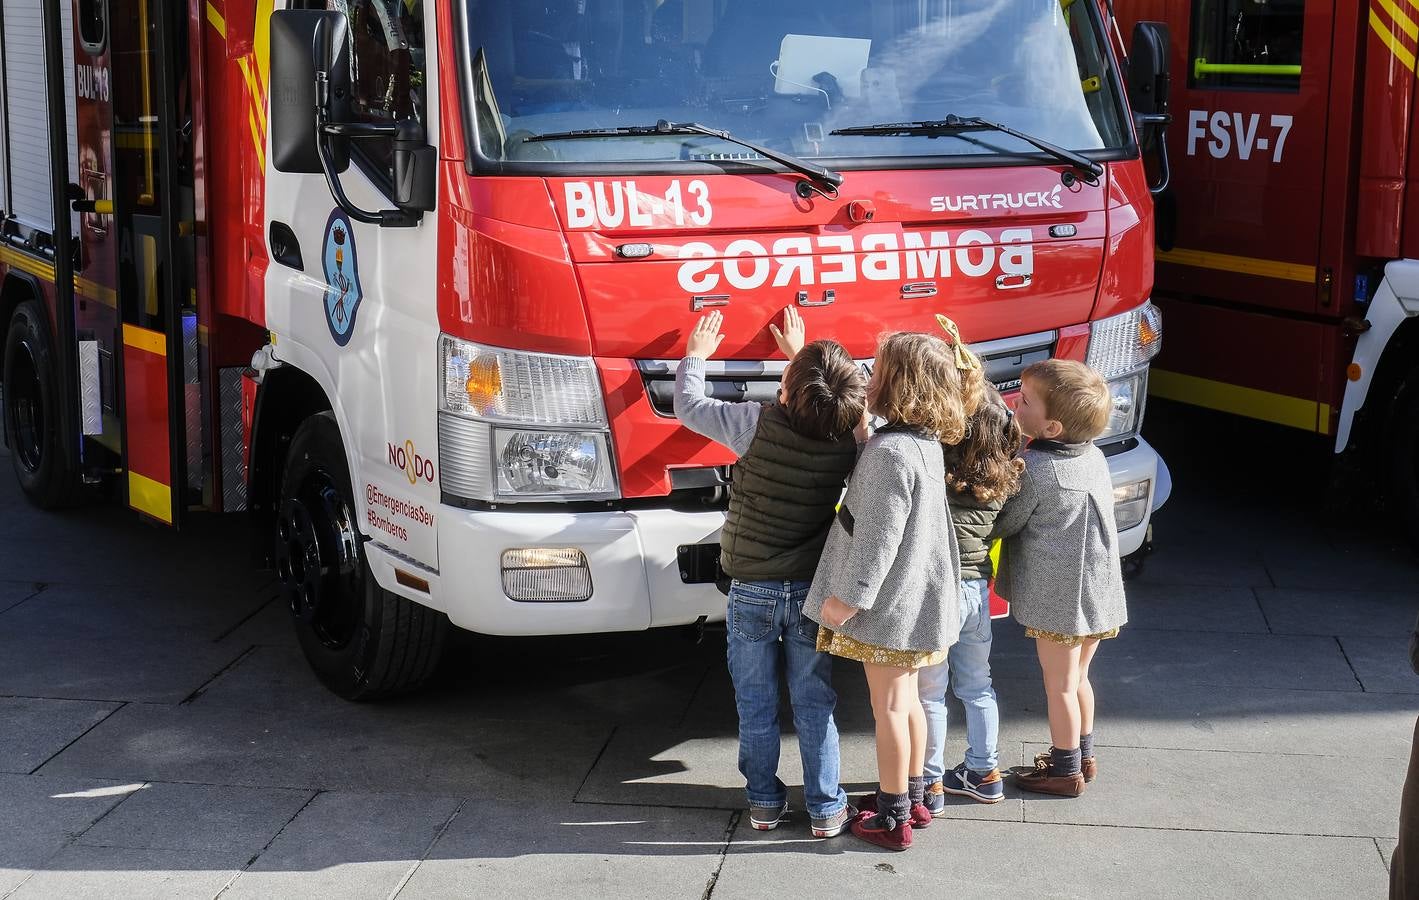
[564,453]
[533,464]
[1128,395]
[1120,348]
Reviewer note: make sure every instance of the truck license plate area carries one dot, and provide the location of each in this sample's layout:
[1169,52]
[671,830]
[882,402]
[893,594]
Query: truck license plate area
[699,563]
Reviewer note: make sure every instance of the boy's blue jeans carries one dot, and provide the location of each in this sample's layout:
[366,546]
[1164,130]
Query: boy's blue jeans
[967,672]
[768,636]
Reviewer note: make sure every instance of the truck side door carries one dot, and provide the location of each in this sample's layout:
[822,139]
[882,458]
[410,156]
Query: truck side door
[1247,146]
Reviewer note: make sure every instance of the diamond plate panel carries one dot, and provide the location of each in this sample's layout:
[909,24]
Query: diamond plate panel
[233,467]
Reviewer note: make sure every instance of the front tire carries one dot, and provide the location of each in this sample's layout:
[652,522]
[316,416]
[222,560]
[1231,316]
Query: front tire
[362,641]
[32,417]
[1403,448]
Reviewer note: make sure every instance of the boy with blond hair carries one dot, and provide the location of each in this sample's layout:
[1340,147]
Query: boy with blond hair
[1059,563]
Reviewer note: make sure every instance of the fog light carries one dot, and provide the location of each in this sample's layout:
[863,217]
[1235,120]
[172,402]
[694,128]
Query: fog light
[546,575]
[1131,503]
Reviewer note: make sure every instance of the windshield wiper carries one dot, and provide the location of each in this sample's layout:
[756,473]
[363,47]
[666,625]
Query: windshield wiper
[957,124]
[821,180]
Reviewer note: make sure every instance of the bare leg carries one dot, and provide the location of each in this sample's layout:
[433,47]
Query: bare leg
[893,698]
[1086,689]
[916,727]
[1060,665]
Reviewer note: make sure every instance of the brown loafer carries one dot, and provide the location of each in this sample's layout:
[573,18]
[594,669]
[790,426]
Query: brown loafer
[1042,782]
[1089,765]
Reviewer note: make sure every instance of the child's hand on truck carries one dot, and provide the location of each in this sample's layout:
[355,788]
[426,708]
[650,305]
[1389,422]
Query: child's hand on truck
[793,336]
[705,337]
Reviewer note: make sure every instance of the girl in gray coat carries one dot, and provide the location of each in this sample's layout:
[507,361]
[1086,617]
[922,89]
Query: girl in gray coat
[886,588]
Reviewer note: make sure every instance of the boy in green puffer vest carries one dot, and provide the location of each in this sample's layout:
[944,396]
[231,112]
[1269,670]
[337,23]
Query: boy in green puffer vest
[794,459]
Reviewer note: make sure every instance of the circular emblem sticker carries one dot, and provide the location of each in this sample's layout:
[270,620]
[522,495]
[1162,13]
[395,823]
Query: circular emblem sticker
[342,277]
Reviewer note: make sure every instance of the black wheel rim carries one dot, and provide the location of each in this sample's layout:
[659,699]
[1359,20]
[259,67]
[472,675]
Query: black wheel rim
[22,393]
[318,560]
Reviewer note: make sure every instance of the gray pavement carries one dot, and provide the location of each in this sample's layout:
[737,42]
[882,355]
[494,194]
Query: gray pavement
[160,735]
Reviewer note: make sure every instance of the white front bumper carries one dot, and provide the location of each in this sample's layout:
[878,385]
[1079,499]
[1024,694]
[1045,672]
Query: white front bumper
[1135,465]
[633,555]
[634,560]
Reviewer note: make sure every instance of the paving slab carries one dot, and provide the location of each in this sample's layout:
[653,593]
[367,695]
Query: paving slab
[1190,607]
[1200,717]
[13,593]
[575,850]
[1340,613]
[1344,569]
[268,626]
[101,873]
[610,679]
[118,549]
[197,817]
[157,669]
[1171,565]
[347,845]
[75,612]
[1216,791]
[648,766]
[1386,848]
[1011,860]
[32,730]
[1382,664]
[368,747]
[1168,658]
[40,815]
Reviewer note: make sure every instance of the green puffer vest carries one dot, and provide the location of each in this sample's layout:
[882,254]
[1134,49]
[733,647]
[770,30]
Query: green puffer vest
[783,496]
[973,520]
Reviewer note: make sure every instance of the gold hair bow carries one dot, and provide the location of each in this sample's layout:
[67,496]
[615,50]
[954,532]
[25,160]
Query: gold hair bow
[965,359]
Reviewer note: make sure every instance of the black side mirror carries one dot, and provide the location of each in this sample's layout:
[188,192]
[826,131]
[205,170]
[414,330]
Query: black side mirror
[310,123]
[295,59]
[1149,85]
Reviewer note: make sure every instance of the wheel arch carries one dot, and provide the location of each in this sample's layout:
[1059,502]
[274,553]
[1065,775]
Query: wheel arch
[17,288]
[287,397]
[1398,361]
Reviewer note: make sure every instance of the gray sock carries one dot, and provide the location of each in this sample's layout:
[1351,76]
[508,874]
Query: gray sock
[1086,745]
[916,788]
[898,806]
[1064,762]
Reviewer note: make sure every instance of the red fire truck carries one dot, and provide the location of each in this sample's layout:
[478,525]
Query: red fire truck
[407,279]
[1286,244]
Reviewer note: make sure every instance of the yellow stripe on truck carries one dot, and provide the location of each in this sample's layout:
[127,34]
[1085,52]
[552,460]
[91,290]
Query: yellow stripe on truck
[1244,265]
[148,341]
[1294,412]
[150,497]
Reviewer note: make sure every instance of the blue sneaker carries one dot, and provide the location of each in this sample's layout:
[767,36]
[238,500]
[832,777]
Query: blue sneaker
[984,788]
[935,800]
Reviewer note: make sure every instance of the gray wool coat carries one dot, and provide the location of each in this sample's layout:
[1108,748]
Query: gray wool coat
[899,563]
[1059,563]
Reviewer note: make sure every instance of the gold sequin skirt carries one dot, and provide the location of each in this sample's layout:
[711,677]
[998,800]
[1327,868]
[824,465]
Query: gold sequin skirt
[1070,640]
[839,644]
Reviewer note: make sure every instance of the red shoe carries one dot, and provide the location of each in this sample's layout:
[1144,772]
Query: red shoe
[867,807]
[883,831]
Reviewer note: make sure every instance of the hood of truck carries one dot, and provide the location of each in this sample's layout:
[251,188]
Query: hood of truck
[1004,252]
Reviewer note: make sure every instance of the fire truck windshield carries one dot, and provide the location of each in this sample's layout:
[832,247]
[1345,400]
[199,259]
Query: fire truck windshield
[785,74]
